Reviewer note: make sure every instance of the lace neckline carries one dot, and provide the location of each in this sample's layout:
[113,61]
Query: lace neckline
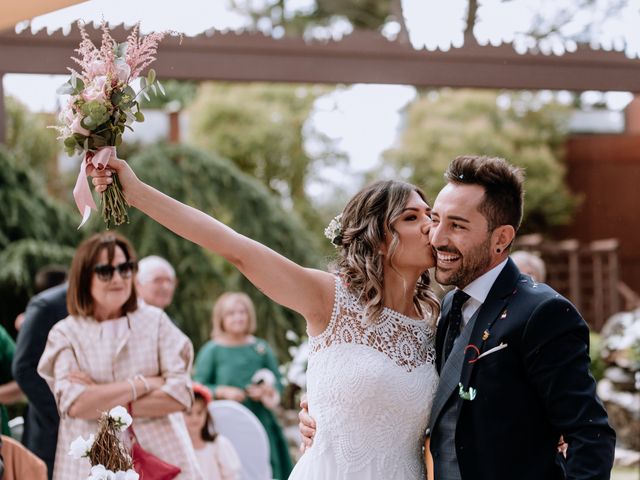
[401,316]
[406,341]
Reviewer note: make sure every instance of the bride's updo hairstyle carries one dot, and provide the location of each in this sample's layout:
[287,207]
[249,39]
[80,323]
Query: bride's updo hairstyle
[364,223]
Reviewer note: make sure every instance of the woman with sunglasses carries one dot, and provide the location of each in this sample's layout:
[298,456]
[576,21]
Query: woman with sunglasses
[112,351]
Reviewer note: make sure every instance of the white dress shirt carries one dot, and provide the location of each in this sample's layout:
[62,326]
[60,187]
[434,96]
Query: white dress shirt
[478,291]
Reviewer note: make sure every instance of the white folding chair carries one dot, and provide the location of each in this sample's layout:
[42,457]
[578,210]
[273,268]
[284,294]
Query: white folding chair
[243,429]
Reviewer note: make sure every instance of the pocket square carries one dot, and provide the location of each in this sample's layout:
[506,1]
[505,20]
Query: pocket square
[492,350]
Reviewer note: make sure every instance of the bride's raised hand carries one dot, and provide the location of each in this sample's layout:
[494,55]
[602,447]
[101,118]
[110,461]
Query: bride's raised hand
[101,179]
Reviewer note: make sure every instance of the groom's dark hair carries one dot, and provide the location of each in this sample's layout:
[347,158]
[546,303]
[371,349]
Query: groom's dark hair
[503,184]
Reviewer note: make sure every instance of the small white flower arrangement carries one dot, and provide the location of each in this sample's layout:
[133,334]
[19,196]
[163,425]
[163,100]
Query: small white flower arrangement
[334,231]
[109,458]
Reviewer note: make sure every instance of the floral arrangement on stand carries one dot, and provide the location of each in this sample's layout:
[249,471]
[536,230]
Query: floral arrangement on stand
[109,459]
[102,104]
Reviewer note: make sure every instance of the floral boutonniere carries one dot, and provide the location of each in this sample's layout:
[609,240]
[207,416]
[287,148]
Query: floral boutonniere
[260,349]
[469,394]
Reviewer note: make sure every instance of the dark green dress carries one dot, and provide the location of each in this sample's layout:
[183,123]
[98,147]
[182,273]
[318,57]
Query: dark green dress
[218,364]
[7,349]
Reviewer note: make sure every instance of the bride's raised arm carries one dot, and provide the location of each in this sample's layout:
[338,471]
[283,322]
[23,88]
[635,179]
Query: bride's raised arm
[308,291]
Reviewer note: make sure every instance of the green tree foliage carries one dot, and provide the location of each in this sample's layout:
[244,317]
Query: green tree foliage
[31,143]
[262,129]
[441,125]
[216,186]
[35,230]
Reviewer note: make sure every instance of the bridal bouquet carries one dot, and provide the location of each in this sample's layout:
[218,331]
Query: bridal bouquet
[109,459]
[102,104]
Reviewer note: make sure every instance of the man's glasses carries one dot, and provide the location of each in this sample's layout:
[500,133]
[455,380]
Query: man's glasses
[105,272]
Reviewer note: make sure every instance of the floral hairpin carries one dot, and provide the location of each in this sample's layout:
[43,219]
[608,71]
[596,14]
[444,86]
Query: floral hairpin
[334,231]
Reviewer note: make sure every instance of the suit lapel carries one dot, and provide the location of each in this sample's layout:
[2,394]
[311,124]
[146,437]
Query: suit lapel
[493,307]
[450,376]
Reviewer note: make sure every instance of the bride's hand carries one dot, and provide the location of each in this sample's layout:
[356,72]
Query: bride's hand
[102,178]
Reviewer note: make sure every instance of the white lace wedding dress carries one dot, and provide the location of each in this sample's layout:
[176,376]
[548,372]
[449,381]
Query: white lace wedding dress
[370,388]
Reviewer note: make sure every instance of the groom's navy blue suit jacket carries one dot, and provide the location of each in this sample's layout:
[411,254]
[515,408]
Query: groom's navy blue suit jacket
[530,392]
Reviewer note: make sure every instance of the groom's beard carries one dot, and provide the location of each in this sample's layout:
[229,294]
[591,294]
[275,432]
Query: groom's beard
[467,268]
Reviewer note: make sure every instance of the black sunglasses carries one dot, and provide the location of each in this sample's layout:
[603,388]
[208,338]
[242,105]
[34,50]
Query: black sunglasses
[105,272]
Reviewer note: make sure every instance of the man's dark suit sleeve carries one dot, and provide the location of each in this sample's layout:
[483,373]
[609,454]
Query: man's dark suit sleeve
[556,356]
[31,342]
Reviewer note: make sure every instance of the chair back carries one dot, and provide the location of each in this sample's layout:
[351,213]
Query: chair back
[248,436]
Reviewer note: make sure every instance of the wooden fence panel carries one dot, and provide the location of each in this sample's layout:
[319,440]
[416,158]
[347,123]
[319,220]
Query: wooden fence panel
[588,275]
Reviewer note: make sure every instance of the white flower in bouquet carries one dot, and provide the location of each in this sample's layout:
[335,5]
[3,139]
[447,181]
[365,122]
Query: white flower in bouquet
[80,447]
[121,416]
[98,472]
[122,71]
[128,475]
[96,90]
[76,127]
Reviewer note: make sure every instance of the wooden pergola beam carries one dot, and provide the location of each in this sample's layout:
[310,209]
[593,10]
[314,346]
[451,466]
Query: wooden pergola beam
[362,57]
[359,58]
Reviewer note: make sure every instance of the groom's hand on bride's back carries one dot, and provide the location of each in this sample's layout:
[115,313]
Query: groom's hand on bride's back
[307,425]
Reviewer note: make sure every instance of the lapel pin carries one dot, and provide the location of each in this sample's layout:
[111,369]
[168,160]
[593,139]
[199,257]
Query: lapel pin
[504,314]
[469,395]
[485,335]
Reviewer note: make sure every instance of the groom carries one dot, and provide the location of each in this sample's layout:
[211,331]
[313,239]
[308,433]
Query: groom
[512,354]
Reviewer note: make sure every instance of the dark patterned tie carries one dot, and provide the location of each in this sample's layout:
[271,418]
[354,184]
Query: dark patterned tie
[455,320]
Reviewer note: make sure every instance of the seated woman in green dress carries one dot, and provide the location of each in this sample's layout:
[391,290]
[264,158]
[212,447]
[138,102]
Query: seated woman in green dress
[235,365]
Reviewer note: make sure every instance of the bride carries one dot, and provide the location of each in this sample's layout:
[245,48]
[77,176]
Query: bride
[371,323]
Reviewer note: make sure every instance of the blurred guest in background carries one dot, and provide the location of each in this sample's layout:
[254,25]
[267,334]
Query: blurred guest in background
[40,433]
[530,264]
[46,278]
[235,365]
[216,455]
[156,281]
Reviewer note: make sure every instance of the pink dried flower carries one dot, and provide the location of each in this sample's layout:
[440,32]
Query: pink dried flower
[95,61]
[141,50]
